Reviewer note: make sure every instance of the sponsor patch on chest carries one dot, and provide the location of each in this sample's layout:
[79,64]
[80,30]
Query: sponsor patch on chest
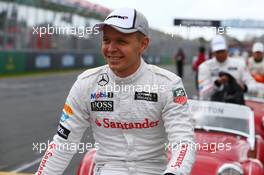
[147,96]
[102,106]
[232,68]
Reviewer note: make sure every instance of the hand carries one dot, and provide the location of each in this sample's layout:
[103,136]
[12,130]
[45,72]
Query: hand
[221,80]
[244,87]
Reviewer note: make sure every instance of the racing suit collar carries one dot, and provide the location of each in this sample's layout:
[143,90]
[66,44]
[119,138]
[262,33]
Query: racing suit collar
[130,78]
[223,63]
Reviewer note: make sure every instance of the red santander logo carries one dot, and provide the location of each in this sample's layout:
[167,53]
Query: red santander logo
[107,123]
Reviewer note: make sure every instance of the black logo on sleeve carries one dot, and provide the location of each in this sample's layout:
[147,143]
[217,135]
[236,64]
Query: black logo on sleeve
[148,96]
[102,106]
[63,132]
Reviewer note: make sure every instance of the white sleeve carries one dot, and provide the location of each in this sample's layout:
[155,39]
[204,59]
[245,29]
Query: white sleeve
[73,123]
[260,87]
[205,83]
[248,80]
[178,125]
[250,68]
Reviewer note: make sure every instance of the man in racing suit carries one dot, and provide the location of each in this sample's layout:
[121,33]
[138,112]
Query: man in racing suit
[133,109]
[256,62]
[208,78]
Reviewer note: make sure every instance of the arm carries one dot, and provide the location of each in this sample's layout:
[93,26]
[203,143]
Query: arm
[195,64]
[249,82]
[178,125]
[249,64]
[205,83]
[73,123]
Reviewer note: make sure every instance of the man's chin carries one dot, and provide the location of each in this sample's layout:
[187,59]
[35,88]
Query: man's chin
[114,67]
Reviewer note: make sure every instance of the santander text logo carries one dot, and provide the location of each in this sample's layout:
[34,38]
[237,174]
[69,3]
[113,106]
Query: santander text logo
[107,123]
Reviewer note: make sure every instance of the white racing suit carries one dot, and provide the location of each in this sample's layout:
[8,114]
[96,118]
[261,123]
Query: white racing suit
[256,67]
[209,72]
[130,123]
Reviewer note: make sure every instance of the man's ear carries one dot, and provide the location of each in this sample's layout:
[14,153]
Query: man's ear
[144,44]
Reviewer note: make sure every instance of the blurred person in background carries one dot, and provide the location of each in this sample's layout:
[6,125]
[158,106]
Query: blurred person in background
[223,78]
[199,60]
[130,128]
[256,62]
[210,54]
[179,59]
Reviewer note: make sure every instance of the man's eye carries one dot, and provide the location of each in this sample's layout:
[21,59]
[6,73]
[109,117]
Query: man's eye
[105,40]
[122,42]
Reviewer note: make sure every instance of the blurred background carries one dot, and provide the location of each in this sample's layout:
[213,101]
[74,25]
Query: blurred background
[45,44]
[51,34]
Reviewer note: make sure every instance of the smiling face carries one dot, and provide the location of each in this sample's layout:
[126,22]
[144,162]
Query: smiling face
[123,51]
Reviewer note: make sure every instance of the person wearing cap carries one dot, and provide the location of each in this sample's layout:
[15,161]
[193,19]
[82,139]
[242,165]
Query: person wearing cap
[216,72]
[256,62]
[130,126]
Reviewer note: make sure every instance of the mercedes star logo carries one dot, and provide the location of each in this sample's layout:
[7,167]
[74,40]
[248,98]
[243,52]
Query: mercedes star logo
[103,79]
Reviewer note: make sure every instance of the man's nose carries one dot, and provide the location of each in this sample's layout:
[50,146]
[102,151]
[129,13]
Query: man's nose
[112,47]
